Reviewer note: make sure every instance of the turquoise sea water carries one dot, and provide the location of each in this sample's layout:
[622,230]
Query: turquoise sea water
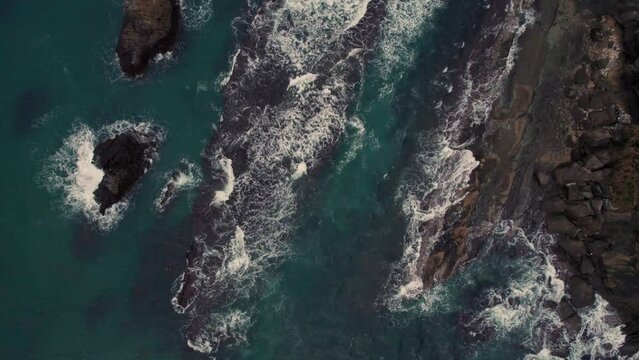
[70,291]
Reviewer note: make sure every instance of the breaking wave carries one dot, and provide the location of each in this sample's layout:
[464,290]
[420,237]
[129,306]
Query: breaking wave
[526,305]
[405,22]
[72,172]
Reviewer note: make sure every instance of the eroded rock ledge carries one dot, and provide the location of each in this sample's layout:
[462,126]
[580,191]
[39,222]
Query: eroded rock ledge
[149,28]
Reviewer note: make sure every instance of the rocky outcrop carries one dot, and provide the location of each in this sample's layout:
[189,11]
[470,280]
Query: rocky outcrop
[123,159]
[150,27]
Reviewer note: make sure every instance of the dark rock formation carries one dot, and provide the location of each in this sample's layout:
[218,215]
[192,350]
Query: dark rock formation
[124,159]
[150,27]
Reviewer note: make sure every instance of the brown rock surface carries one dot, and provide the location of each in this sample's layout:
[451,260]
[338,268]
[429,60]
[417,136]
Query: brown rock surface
[149,28]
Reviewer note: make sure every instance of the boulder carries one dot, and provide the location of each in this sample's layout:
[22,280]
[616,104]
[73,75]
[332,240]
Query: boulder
[581,77]
[596,138]
[598,247]
[554,205]
[124,159]
[586,267]
[581,292]
[601,118]
[150,27]
[573,325]
[600,64]
[560,224]
[573,248]
[572,174]
[542,178]
[573,192]
[589,223]
[579,210]
[578,114]
[565,310]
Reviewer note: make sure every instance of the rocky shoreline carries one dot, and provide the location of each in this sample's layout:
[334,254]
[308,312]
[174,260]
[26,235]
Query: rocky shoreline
[149,28]
[560,150]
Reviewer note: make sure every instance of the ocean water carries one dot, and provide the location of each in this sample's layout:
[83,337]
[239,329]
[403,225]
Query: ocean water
[77,286]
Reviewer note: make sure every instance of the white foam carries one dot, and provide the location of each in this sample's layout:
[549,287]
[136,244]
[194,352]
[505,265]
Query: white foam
[300,170]
[301,82]
[282,142]
[237,259]
[196,13]
[361,11]
[221,196]
[167,56]
[405,22]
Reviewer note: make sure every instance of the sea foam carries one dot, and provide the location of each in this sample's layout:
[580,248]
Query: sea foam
[71,170]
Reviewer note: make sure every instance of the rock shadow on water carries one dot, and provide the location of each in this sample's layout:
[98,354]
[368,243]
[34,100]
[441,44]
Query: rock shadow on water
[162,254]
[30,105]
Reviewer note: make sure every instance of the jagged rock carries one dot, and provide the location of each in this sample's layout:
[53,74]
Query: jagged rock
[597,206]
[570,92]
[601,118]
[581,77]
[554,205]
[584,102]
[586,267]
[573,248]
[572,174]
[560,224]
[618,217]
[573,193]
[597,138]
[601,99]
[601,175]
[589,223]
[618,261]
[579,210]
[600,64]
[598,247]
[600,189]
[604,157]
[578,114]
[581,292]
[124,159]
[149,28]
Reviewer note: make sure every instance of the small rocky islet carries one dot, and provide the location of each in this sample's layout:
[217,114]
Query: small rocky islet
[149,28]
[124,159]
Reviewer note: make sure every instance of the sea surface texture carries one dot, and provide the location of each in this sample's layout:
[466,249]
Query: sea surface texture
[304,149]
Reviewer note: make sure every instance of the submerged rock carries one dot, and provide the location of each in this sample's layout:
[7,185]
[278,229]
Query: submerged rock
[149,28]
[124,159]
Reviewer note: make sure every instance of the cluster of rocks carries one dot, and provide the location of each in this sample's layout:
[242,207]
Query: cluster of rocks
[597,238]
[150,27]
[124,159]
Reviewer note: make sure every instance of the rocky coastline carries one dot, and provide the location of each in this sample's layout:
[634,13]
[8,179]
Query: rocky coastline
[149,28]
[560,151]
